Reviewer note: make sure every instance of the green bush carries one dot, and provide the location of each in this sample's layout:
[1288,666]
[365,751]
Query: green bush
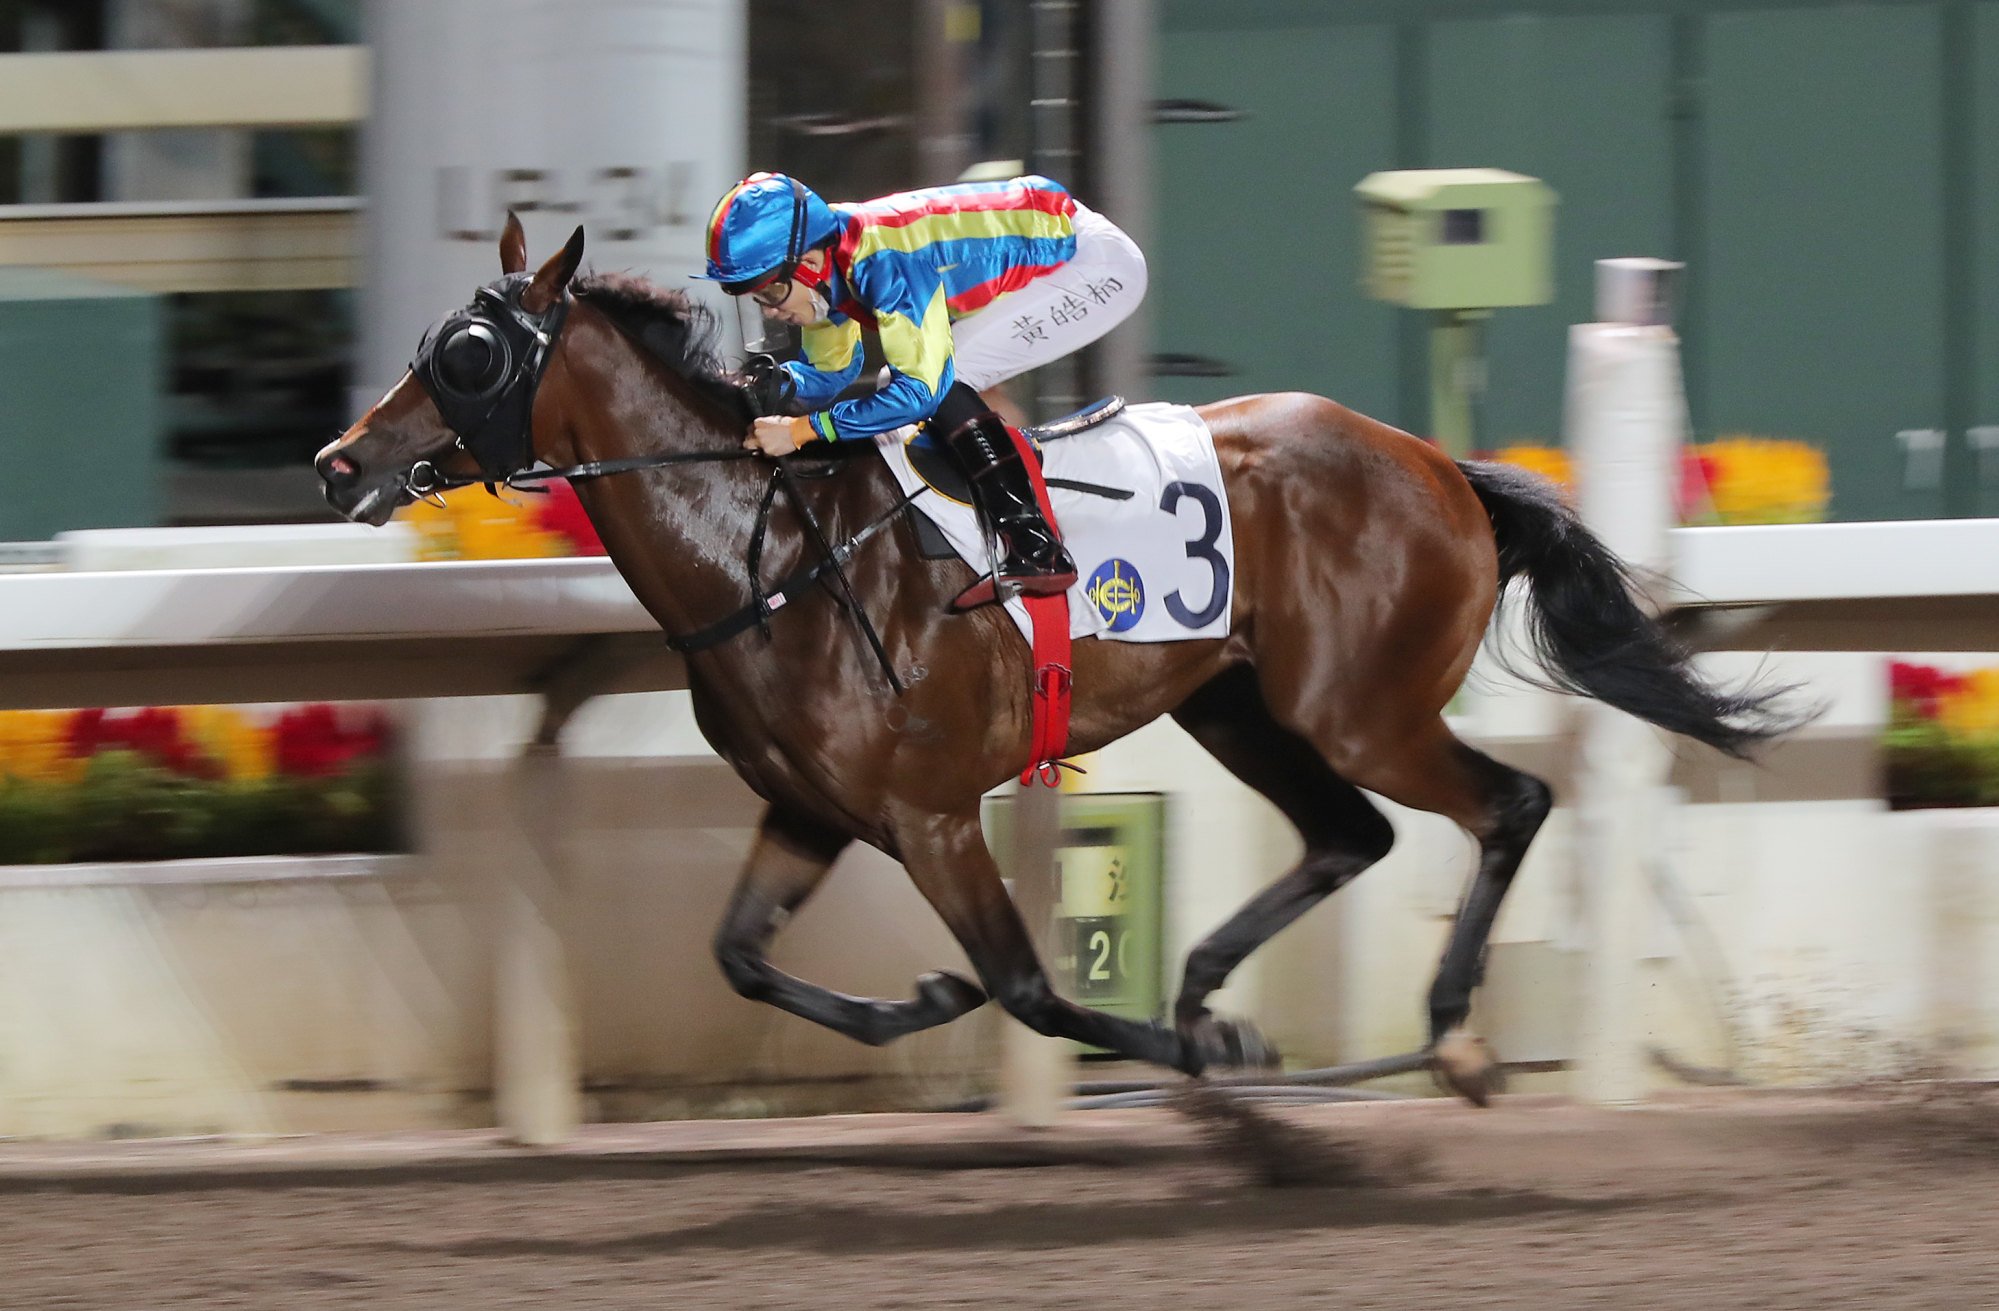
[127,808]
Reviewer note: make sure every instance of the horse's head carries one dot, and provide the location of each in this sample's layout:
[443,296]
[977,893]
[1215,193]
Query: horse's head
[465,406]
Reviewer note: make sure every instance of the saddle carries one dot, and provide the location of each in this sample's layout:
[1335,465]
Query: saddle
[936,469]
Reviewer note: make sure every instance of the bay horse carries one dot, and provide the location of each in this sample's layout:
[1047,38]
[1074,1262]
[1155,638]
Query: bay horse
[1368,565]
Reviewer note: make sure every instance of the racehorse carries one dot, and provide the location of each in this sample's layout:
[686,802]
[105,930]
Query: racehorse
[1368,565]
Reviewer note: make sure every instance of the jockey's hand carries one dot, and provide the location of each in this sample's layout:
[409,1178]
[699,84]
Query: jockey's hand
[779,434]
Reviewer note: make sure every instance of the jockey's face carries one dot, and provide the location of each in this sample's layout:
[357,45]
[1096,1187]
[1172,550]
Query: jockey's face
[798,305]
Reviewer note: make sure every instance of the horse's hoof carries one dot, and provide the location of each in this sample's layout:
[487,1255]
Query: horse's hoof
[949,995]
[1212,1043]
[1462,1063]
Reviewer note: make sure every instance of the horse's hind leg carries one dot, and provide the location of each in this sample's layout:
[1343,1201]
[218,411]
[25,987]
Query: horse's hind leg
[1343,832]
[1500,806]
[791,856]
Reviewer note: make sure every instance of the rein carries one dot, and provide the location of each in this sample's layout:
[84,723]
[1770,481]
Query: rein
[426,481]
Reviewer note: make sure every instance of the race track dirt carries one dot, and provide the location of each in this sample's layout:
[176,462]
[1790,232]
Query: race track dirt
[1877,1199]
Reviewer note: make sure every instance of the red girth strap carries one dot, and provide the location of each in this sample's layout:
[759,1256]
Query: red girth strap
[1049,616]
[1052,680]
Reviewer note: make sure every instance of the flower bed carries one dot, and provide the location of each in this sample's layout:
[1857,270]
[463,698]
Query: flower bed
[470,525]
[1941,747]
[1733,480]
[167,783]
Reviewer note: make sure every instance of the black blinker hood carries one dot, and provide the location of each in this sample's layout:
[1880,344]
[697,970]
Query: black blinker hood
[492,415]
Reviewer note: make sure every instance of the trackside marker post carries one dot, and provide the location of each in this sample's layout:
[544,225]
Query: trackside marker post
[1626,417]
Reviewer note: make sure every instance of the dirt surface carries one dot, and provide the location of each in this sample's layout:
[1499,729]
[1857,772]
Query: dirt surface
[1881,1199]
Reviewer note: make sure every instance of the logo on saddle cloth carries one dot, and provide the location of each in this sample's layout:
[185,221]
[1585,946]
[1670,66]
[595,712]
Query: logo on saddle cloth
[1117,593]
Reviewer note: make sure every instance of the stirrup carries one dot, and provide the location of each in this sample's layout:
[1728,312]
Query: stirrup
[985,591]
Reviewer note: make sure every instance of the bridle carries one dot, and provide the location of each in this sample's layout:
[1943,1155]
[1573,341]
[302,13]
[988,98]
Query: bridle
[482,367]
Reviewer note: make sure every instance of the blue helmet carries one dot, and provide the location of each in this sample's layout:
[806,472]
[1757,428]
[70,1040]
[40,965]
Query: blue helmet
[760,229]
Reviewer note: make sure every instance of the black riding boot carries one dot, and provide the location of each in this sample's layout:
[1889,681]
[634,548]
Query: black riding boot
[1032,558]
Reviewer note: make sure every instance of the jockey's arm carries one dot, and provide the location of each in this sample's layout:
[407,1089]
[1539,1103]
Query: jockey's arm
[915,327]
[832,362]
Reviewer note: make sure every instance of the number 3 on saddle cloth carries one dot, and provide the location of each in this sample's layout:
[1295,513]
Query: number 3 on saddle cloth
[1140,505]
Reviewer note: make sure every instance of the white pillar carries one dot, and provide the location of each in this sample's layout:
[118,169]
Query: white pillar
[1625,422]
[1035,1071]
[1963,942]
[537,1048]
[626,116]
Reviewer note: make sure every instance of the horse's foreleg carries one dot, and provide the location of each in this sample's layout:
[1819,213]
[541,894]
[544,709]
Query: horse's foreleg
[1342,830]
[947,859]
[791,856]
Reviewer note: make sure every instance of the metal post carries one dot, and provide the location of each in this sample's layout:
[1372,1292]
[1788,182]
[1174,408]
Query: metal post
[1457,379]
[1057,131]
[1123,59]
[1626,419]
[944,28]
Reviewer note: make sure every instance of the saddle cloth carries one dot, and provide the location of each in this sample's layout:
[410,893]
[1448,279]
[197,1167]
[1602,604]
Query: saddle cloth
[1158,566]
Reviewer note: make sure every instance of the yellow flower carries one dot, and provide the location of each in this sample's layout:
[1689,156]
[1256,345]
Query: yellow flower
[1551,462]
[471,525]
[244,748]
[34,746]
[1764,480]
[436,529]
[1972,710]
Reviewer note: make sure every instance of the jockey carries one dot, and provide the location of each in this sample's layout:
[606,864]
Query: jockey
[966,286]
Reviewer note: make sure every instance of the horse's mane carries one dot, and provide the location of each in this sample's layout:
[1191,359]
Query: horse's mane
[673,327]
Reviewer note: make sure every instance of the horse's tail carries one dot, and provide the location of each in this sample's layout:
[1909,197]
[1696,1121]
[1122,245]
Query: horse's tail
[1592,637]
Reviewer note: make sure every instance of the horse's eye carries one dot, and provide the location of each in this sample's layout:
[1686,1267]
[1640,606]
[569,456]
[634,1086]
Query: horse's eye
[471,360]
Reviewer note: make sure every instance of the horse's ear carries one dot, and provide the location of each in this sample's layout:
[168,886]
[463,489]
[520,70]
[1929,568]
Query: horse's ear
[513,245]
[554,275]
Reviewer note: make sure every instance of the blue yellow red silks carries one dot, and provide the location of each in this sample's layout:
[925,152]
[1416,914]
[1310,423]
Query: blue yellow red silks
[908,265]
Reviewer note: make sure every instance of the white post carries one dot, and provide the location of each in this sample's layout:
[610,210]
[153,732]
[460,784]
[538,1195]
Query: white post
[1035,1071]
[1963,935]
[537,1058]
[1626,418]
[627,116]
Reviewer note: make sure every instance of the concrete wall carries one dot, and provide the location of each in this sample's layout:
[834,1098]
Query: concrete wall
[1816,938]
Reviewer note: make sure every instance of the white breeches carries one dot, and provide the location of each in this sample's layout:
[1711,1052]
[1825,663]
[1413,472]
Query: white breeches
[1057,313]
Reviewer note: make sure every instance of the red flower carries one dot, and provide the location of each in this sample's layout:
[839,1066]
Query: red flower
[311,741]
[1921,688]
[84,733]
[562,513]
[156,733]
[1697,477]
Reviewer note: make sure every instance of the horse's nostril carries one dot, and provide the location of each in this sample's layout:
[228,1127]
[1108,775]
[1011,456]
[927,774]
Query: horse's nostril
[338,469]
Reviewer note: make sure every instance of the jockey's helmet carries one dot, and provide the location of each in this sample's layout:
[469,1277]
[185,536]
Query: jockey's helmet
[761,228]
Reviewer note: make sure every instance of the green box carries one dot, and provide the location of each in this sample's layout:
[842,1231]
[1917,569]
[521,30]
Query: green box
[1106,949]
[1457,238]
[82,374]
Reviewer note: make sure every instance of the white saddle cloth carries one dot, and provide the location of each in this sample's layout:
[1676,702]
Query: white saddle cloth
[1156,567]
